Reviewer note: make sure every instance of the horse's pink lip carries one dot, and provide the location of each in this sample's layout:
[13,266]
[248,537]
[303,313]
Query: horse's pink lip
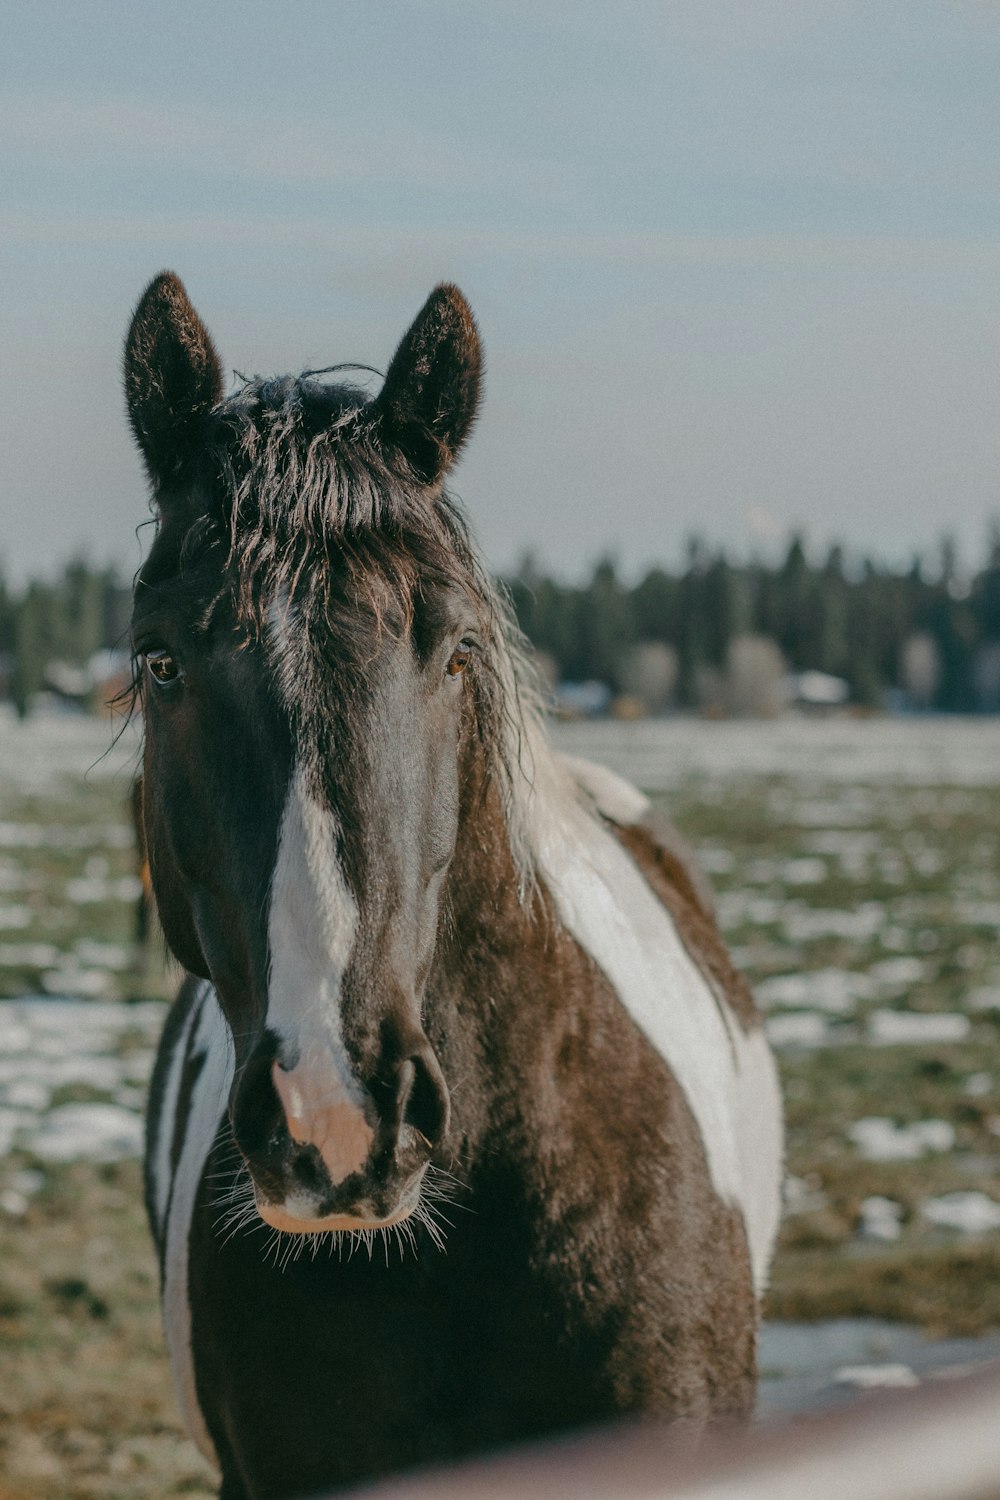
[278,1219]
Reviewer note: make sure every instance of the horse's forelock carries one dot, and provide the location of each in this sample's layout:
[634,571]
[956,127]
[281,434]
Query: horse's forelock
[303,501]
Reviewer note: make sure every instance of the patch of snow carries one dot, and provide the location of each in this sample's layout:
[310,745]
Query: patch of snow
[897,1028]
[11,1122]
[897,973]
[89,889]
[843,843]
[978,1085]
[92,954]
[831,990]
[880,1139]
[984,997]
[977,913]
[873,1377]
[29,1182]
[802,1196]
[129,1097]
[28,955]
[12,877]
[26,1093]
[12,917]
[46,1044]
[64,835]
[832,814]
[70,981]
[715,860]
[137,1067]
[968,1212]
[799,1029]
[803,924]
[737,907]
[803,871]
[88,1132]
[881,1219]
[88,1068]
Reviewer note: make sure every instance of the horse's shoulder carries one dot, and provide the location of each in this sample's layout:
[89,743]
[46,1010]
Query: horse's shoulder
[671,869]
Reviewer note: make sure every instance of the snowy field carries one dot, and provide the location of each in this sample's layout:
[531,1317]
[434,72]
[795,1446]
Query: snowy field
[857,871]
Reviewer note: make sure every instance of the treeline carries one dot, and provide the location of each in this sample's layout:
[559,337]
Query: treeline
[52,633]
[926,636]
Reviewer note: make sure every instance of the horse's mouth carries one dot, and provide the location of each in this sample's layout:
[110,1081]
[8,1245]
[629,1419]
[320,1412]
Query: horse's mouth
[305,1212]
[287,1223]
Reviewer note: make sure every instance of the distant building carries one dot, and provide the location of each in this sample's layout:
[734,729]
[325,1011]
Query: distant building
[581,700]
[817,690]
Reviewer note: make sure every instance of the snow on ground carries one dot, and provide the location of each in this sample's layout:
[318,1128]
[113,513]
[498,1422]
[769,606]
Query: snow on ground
[967,1212]
[37,755]
[896,1028]
[799,1029]
[881,1139]
[658,754]
[48,1047]
[809,1366]
[880,1219]
[832,990]
[876,1377]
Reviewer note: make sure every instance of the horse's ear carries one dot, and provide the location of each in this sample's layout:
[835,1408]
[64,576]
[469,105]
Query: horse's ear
[431,393]
[172,376]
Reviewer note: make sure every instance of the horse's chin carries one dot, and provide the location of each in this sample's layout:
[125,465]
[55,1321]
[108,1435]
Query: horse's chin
[287,1223]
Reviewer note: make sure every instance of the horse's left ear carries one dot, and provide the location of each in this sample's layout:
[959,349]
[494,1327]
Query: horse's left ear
[431,393]
[172,376]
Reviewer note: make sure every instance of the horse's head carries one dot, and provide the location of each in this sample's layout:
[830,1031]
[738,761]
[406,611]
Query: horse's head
[314,641]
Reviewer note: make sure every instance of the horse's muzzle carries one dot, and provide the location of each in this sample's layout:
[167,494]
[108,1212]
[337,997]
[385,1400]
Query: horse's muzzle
[325,1153]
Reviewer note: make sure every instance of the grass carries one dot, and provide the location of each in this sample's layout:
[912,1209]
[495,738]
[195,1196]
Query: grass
[86,1404]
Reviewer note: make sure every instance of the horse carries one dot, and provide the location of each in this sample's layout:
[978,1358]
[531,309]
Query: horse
[463,1129]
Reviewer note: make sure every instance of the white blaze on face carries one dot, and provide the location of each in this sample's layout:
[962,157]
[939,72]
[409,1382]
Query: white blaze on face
[311,929]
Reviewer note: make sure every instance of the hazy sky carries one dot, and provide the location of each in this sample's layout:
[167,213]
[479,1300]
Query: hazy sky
[736,262]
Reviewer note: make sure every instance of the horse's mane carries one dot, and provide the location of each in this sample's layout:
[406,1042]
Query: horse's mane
[299,479]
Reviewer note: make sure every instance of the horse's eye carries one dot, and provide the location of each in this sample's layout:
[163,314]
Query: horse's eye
[458,661]
[162,666]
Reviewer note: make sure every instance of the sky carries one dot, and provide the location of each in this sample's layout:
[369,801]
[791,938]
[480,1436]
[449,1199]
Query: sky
[736,263]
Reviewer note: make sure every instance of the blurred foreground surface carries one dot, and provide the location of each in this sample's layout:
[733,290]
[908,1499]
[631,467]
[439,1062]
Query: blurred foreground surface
[858,872]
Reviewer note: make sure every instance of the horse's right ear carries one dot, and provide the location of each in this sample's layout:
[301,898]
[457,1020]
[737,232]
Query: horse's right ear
[172,376]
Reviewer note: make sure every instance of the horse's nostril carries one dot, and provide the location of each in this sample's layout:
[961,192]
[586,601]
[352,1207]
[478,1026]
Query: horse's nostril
[422,1097]
[308,1171]
[258,1122]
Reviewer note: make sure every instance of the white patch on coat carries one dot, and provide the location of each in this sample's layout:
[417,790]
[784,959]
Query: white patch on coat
[759,1122]
[312,923]
[727,1075]
[206,1108]
[166,1123]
